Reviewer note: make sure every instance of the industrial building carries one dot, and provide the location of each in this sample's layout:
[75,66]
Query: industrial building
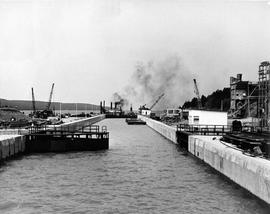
[244,94]
[251,99]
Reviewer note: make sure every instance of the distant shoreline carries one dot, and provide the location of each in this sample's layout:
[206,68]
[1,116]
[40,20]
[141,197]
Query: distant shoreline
[24,105]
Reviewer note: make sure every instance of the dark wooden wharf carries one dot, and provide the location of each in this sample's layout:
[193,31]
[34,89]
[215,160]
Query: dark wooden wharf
[42,139]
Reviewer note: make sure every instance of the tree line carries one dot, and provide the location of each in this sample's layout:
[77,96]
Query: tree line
[218,100]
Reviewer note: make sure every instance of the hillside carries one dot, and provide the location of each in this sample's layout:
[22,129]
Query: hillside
[7,114]
[41,105]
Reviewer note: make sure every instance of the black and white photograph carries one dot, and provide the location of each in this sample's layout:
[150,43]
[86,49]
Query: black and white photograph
[134,106]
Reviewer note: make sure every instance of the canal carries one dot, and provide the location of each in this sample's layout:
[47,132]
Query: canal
[142,172]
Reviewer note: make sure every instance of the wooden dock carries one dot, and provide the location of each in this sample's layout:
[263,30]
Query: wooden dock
[54,140]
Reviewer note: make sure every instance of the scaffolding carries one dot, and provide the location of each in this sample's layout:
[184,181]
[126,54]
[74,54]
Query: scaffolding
[263,99]
[244,94]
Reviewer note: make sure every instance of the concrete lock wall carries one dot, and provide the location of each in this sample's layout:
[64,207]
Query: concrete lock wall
[252,173]
[11,145]
[168,132]
[79,124]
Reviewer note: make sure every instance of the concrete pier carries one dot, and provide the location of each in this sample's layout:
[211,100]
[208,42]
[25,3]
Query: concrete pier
[12,144]
[252,173]
[79,124]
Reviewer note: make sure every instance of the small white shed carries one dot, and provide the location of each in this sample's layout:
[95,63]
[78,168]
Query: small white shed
[146,112]
[172,112]
[204,117]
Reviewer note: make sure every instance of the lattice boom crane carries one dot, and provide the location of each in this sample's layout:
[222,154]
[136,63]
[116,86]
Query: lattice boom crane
[196,90]
[158,99]
[50,98]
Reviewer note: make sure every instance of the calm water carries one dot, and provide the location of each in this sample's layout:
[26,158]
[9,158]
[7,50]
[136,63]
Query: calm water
[141,173]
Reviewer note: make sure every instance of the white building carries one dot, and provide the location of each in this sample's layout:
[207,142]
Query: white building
[203,117]
[172,112]
[146,112]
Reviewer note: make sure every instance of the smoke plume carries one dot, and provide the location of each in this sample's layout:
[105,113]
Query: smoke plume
[150,80]
[122,101]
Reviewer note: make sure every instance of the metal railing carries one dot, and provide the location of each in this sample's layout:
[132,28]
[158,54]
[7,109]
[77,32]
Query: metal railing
[30,130]
[84,129]
[205,129]
[92,131]
[217,129]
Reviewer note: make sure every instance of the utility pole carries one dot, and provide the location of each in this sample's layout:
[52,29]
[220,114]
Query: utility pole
[248,100]
[221,105]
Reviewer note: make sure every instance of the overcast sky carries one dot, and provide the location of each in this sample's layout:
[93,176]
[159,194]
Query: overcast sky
[89,49]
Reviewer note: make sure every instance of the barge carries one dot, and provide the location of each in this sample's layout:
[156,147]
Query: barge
[134,121]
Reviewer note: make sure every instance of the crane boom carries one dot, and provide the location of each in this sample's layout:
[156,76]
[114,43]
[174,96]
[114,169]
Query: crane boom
[50,98]
[158,99]
[197,94]
[33,101]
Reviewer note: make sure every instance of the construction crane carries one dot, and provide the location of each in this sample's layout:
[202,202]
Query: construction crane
[196,90]
[33,101]
[158,99]
[50,99]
